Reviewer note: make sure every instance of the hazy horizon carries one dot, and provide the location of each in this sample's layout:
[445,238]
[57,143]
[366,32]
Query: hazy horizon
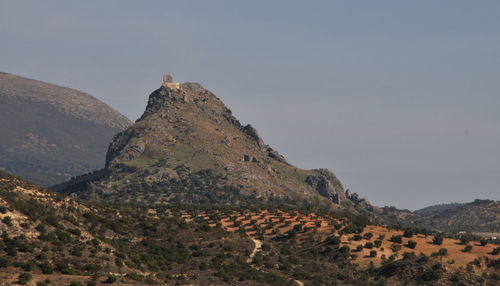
[400,100]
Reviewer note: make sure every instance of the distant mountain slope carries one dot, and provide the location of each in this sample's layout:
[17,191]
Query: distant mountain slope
[437,208]
[50,133]
[477,216]
[187,147]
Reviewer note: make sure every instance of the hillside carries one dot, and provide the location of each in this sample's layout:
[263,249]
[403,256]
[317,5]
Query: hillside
[187,147]
[477,216]
[49,239]
[437,208]
[46,236]
[50,133]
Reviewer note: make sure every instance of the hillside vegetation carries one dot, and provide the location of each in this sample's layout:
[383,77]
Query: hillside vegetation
[475,217]
[49,239]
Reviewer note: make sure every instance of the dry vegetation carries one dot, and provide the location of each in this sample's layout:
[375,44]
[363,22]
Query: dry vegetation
[268,225]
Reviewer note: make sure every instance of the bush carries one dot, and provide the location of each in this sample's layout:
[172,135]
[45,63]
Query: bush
[408,255]
[377,243]
[467,248]
[437,240]
[345,251]
[24,278]
[396,239]
[483,242]
[408,233]
[357,237]
[368,235]
[411,244]
[332,240]
[75,283]
[110,280]
[46,268]
[369,245]
[434,273]
[495,251]
[395,247]
[4,262]
[373,253]
[443,252]
[7,220]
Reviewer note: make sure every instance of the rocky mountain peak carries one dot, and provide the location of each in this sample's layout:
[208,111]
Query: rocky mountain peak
[188,147]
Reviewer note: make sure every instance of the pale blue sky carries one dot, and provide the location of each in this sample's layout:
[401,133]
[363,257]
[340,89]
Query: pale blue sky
[400,99]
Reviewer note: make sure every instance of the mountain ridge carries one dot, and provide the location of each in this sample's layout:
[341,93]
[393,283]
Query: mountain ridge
[50,133]
[476,216]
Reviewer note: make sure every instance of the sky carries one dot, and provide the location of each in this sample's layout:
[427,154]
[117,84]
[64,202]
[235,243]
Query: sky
[400,99]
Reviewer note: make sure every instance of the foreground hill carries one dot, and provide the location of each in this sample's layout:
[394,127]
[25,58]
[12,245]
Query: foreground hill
[188,148]
[476,217]
[46,236]
[49,239]
[50,133]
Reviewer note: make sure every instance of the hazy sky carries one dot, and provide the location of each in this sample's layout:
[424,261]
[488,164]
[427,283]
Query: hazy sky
[401,99]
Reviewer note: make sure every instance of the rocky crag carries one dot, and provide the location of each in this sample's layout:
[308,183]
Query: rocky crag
[50,133]
[188,147]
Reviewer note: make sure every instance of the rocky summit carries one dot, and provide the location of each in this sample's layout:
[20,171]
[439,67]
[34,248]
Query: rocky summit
[188,147]
[50,133]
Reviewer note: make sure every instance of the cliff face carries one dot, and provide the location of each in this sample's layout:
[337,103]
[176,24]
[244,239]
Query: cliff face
[50,133]
[188,147]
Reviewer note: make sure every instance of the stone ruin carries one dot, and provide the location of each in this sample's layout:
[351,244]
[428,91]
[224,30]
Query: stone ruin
[168,82]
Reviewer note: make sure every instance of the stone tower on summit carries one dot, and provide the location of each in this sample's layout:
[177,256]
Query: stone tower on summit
[167,82]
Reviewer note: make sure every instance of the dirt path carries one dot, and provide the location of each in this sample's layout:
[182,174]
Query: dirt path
[257,248]
[299,283]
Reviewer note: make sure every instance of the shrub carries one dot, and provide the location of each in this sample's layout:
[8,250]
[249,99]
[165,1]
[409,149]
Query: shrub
[345,251]
[7,220]
[368,235]
[467,248]
[411,244]
[110,280]
[46,268]
[407,255]
[373,253]
[434,273]
[483,242]
[377,243]
[357,237]
[75,283]
[408,233]
[437,240]
[332,240]
[24,278]
[443,252]
[396,239]
[495,251]
[369,245]
[395,247]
